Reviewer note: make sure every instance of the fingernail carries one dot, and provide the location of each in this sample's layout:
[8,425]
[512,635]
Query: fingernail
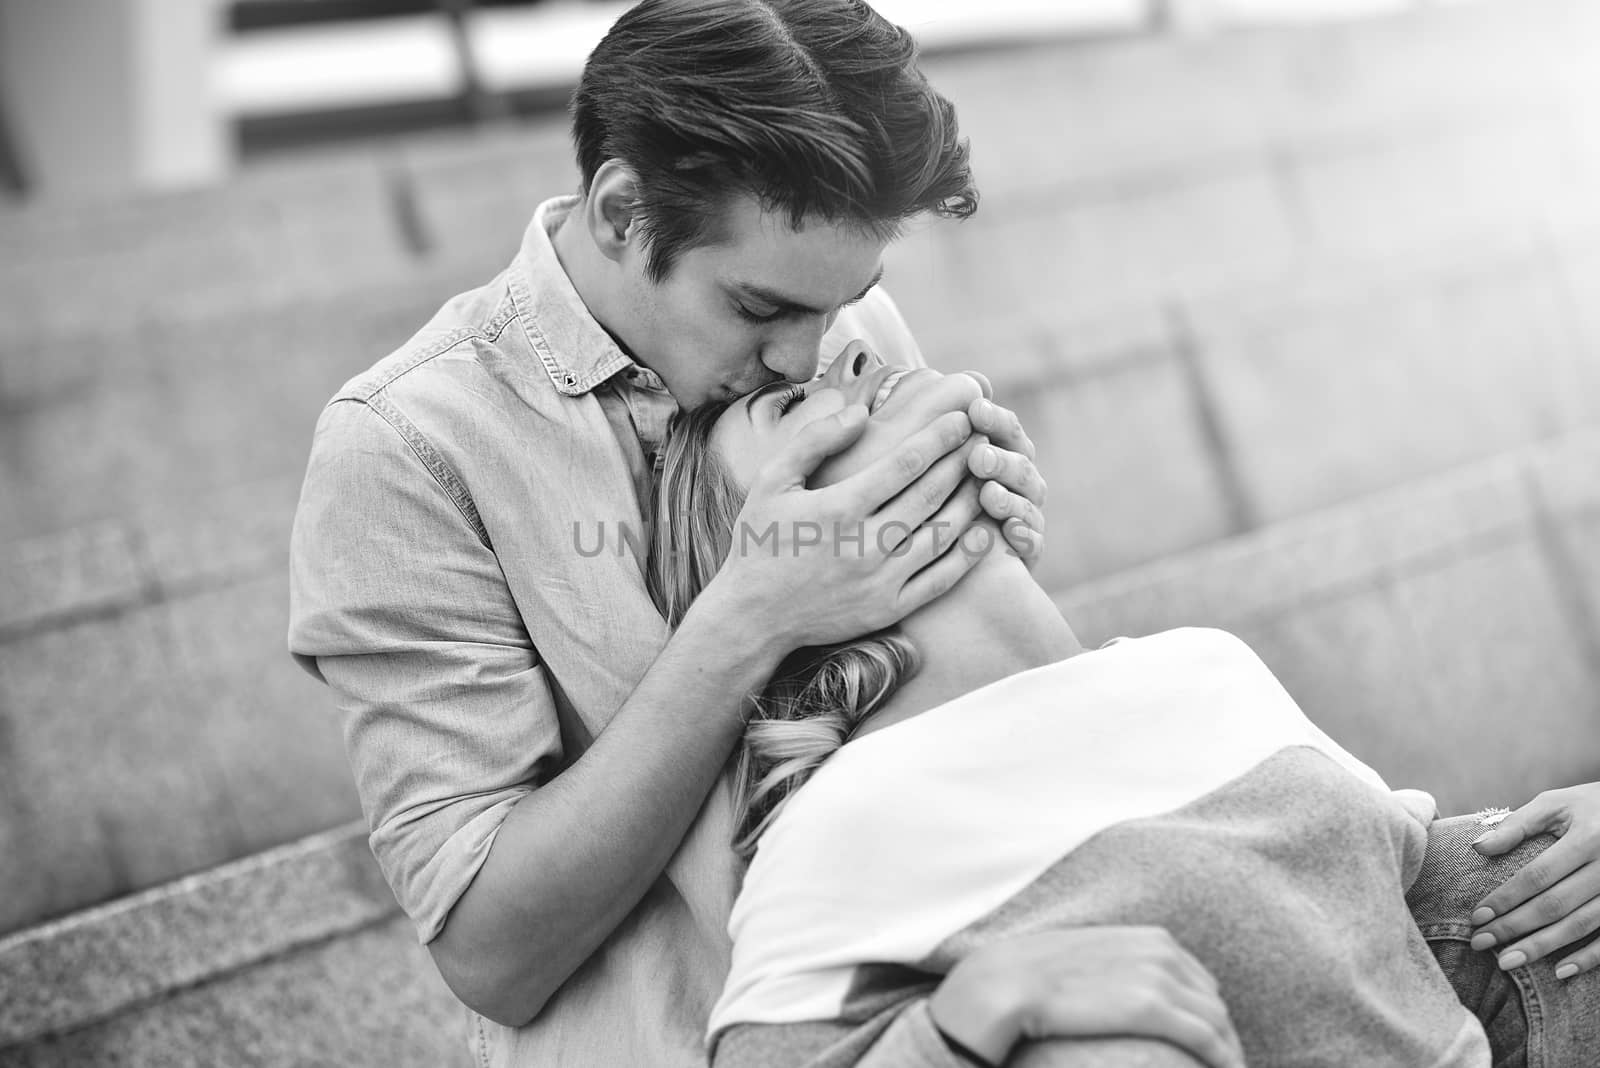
[1481,837]
[1515,959]
[1482,941]
[987,460]
[1566,971]
[1482,915]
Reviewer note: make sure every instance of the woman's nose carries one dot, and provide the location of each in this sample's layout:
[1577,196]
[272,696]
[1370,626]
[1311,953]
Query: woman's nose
[856,361]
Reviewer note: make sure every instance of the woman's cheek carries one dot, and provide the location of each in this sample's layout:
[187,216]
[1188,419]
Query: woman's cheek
[874,442]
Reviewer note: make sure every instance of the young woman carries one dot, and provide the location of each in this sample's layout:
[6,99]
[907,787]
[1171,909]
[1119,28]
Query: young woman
[972,841]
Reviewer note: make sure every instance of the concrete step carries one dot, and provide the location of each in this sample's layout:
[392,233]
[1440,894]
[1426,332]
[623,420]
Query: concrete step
[96,428]
[1221,411]
[275,236]
[1227,410]
[157,644]
[1447,632]
[1093,115]
[1257,143]
[155,724]
[292,956]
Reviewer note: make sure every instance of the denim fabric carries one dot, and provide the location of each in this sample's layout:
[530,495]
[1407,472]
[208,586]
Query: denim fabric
[446,582]
[1533,1019]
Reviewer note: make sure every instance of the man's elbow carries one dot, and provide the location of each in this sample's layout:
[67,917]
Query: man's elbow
[487,986]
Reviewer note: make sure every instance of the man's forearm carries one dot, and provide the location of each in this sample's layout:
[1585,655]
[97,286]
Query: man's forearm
[574,857]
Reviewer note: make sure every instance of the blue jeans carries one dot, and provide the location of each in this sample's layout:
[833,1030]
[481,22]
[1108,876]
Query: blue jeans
[1533,1019]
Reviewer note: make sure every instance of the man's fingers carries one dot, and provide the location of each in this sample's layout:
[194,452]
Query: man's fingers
[1543,813]
[923,500]
[983,383]
[897,469]
[1200,1025]
[1012,470]
[936,579]
[1562,889]
[795,462]
[919,546]
[1001,504]
[1001,425]
[1024,541]
[1578,924]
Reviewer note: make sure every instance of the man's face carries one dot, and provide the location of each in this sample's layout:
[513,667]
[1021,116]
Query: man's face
[734,316]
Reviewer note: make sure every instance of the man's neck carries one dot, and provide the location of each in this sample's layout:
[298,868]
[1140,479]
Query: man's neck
[587,270]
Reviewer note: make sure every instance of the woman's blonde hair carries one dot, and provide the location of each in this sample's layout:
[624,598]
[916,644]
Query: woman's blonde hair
[819,695]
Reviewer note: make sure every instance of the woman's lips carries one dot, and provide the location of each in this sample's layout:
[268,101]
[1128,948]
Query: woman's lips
[887,388]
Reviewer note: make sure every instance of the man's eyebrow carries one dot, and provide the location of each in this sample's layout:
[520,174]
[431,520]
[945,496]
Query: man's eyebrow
[778,300]
[762,392]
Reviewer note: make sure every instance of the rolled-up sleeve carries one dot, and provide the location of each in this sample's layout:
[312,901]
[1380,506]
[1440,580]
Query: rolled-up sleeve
[399,604]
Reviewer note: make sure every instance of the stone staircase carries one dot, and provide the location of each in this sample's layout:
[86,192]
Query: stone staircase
[1302,321]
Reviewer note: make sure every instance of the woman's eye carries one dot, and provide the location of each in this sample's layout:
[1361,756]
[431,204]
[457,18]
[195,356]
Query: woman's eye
[791,396]
[758,316]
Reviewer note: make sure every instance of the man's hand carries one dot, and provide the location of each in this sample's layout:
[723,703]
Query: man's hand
[1013,491]
[815,566]
[1085,982]
[1554,900]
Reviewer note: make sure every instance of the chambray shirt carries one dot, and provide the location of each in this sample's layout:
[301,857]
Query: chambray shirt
[445,583]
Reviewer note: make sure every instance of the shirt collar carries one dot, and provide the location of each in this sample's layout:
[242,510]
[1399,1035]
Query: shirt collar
[574,348]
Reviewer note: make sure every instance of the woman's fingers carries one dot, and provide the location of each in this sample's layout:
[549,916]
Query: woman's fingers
[1563,914]
[1584,960]
[1547,812]
[1531,896]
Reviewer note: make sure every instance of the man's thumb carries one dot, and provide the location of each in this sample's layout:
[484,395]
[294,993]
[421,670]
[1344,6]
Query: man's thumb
[814,444]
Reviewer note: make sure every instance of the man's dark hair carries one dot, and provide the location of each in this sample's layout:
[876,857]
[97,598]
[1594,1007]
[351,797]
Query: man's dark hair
[815,107]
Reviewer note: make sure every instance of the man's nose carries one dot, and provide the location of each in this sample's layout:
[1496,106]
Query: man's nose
[794,356]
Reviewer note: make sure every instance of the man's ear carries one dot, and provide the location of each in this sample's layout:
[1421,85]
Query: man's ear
[609,209]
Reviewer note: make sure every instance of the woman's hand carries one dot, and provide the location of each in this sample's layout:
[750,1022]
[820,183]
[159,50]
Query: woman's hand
[1086,982]
[1013,490]
[1555,899]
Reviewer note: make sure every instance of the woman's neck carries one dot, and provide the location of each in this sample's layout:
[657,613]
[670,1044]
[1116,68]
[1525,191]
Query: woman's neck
[995,623]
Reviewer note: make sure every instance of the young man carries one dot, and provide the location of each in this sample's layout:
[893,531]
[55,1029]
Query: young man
[530,746]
